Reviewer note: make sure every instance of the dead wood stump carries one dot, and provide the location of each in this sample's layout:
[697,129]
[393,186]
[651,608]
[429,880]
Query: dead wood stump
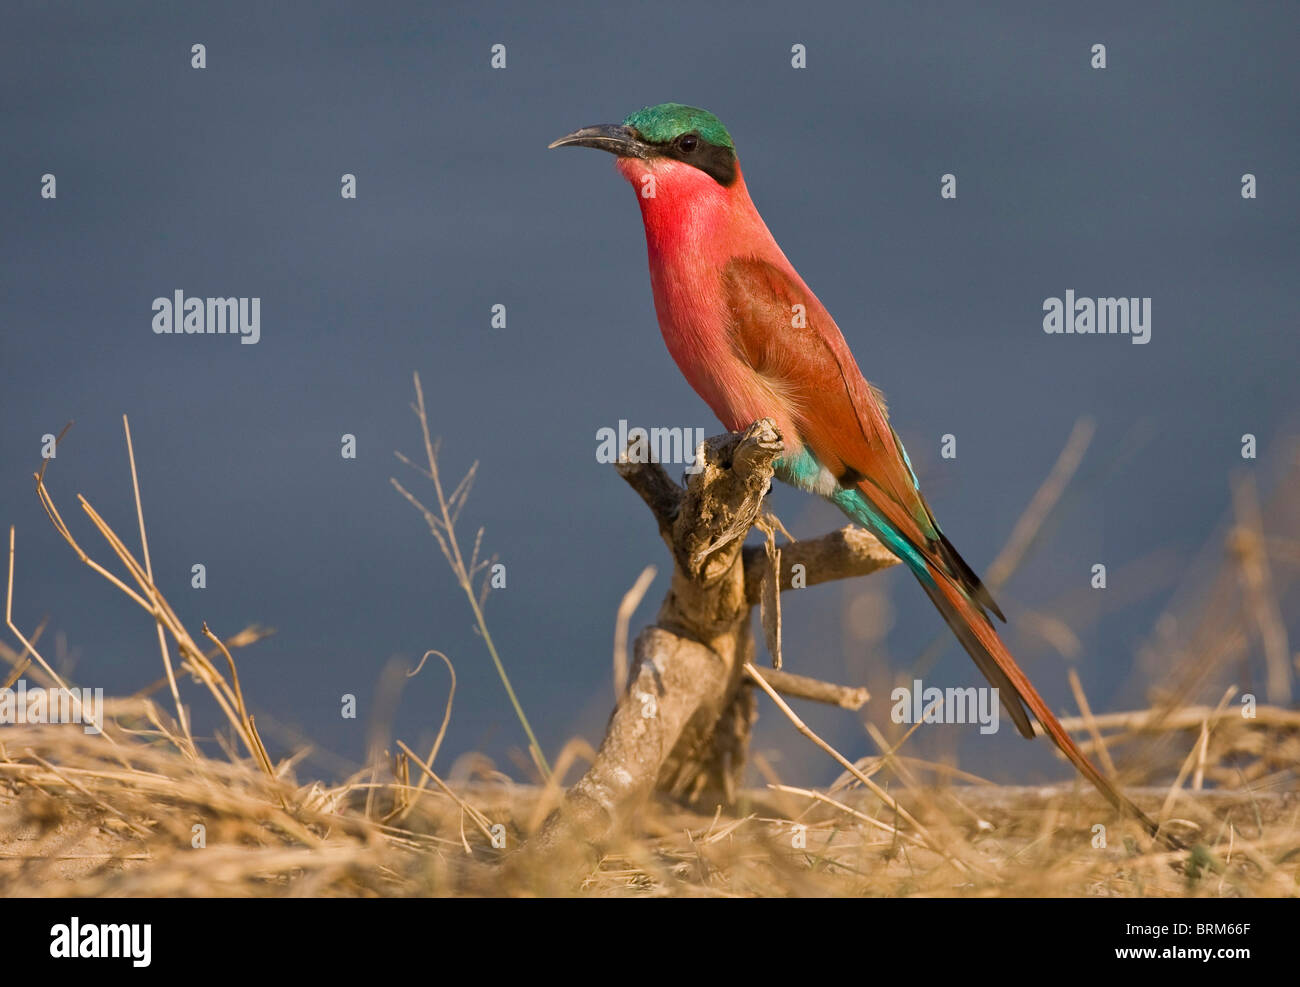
[682,726]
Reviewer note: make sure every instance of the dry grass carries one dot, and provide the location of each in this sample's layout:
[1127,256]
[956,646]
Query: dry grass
[145,808]
[80,818]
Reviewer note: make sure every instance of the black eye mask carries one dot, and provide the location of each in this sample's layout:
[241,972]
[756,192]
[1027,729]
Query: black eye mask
[719,163]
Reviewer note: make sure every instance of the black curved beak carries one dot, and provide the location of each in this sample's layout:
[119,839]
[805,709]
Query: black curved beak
[612,137]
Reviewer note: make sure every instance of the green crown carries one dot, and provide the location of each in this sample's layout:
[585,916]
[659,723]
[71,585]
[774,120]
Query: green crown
[661,124]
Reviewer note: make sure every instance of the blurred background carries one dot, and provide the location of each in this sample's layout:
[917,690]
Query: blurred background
[225,181]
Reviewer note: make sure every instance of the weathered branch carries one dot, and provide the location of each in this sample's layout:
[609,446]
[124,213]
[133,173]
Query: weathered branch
[682,726]
[841,554]
[652,483]
[802,687]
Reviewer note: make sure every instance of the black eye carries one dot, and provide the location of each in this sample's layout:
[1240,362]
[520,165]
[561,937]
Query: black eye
[688,142]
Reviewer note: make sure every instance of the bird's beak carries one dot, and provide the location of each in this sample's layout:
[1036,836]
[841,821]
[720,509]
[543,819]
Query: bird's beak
[612,137]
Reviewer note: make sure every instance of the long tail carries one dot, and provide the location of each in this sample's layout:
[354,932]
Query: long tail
[981,640]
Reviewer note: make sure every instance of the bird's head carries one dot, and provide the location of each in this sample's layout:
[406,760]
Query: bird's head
[682,145]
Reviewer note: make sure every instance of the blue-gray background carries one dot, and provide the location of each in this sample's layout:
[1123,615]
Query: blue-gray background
[225,181]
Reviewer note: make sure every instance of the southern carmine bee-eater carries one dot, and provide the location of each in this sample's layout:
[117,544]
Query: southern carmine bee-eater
[754,342]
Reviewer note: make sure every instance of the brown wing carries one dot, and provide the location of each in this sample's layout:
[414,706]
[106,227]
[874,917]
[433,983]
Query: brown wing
[841,417]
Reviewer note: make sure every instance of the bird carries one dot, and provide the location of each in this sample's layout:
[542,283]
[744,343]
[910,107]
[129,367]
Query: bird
[754,342]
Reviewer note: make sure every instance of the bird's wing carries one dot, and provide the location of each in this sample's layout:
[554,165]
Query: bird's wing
[840,416]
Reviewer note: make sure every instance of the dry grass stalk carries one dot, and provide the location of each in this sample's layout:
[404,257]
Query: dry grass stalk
[442,525]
